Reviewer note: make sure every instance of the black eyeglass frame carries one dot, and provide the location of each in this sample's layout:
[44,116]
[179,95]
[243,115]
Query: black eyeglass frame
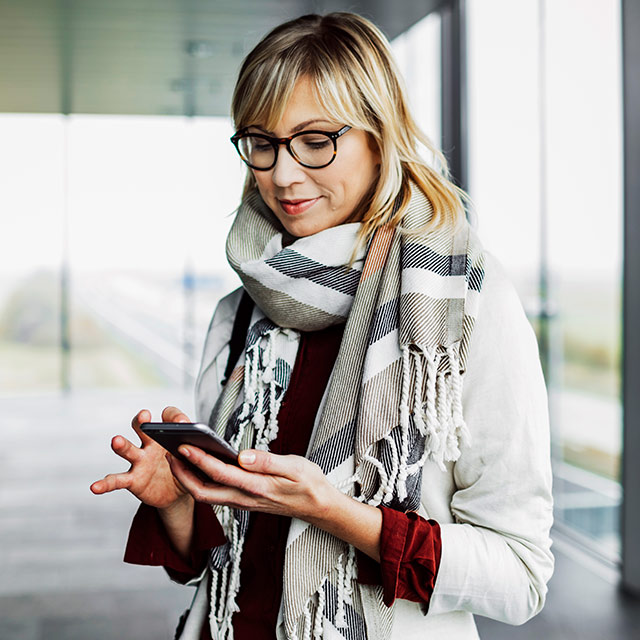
[276,142]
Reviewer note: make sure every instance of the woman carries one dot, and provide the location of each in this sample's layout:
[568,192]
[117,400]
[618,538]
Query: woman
[388,402]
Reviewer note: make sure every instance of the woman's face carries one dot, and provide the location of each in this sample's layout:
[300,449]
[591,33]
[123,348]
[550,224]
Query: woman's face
[307,201]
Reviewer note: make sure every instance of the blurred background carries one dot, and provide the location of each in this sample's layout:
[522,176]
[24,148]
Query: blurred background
[117,187]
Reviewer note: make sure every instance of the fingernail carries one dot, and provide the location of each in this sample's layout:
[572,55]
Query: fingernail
[168,457]
[185,452]
[246,457]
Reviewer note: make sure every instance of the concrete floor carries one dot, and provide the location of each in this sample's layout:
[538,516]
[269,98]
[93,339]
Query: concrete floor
[583,603]
[62,575]
[61,547]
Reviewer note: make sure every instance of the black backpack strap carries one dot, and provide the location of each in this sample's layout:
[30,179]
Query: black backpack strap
[238,334]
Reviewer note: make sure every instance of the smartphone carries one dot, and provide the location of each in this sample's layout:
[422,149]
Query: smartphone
[171,435]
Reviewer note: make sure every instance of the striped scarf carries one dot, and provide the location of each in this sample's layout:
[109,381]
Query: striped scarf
[393,402]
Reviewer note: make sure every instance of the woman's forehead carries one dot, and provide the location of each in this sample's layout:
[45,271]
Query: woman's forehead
[301,111]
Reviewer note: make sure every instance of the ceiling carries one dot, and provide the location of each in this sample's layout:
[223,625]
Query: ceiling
[152,57]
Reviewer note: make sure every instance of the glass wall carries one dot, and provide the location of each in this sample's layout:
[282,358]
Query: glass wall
[418,54]
[138,208]
[31,221]
[546,178]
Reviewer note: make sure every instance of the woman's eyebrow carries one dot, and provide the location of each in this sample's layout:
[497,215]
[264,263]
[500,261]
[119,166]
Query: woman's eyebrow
[298,127]
[304,125]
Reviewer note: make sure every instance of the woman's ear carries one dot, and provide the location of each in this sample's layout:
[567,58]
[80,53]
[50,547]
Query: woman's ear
[374,148]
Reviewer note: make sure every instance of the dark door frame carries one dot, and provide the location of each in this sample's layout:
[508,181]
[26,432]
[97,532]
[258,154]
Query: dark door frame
[630,512]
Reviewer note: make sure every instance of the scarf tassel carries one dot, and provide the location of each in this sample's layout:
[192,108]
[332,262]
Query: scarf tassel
[438,417]
[311,622]
[261,402]
[225,582]
[260,409]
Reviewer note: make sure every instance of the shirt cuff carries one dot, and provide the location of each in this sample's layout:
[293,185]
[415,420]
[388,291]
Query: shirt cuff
[149,544]
[410,549]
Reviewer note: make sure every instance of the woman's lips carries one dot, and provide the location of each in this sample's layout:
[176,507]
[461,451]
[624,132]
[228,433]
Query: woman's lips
[296,207]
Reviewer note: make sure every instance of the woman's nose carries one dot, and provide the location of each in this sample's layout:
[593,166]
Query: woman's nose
[287,170]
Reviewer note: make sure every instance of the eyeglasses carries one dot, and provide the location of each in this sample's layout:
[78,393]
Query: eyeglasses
[312,149]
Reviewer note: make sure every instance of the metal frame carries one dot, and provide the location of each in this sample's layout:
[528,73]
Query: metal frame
[66,106]
[455,138]
[392,18]
[630,524]
[395,19]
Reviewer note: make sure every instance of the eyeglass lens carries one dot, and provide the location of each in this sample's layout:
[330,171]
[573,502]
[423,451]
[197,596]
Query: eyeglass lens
[312,149]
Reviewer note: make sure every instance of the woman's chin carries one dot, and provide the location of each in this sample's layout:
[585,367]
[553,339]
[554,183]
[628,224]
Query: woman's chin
[301,227]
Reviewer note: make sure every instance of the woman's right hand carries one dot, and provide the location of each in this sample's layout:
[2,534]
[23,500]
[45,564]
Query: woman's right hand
[149,478]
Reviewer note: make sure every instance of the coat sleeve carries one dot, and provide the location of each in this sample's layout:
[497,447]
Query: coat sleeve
[149,544]
[496,559]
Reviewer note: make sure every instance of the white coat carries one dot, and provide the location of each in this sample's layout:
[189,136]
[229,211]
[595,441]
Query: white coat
[494,504]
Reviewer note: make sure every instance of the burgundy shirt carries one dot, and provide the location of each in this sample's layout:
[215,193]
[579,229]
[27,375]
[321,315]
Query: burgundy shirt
[409,546]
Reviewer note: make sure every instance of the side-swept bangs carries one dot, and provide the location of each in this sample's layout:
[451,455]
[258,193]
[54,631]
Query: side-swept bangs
[270,73]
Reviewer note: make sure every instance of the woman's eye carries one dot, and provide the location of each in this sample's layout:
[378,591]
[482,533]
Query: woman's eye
[318,145]
[315,143]
[260,146]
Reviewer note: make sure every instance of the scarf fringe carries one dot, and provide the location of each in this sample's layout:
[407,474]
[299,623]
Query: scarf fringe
[259,412]
[439,418]
[318,625]
[225,584]
[312,619]
[260,387]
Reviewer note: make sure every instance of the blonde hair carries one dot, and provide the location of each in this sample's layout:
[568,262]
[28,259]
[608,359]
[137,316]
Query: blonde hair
[356,80]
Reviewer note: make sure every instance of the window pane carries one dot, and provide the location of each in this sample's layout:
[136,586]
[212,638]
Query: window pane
[152,199]
[584,173]
[149,202]
[504,153]
[417,52]
[578,183]
[31,223]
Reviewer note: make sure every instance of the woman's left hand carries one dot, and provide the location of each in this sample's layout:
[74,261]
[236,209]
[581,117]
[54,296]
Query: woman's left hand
[281,484]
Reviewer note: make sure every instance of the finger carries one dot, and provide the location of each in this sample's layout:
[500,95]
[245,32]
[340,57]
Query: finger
[184,469]
[222,473]
[138,419]
[209,492]
[173,414]
[182,472]
[126,449]
[290,467]
[112,482]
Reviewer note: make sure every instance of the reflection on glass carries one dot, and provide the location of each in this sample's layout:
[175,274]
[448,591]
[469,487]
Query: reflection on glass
[583,240]
[149,203]
[418,54]
[30,197]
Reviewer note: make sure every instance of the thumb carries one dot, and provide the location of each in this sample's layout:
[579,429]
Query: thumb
[288,466]
[247,458]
